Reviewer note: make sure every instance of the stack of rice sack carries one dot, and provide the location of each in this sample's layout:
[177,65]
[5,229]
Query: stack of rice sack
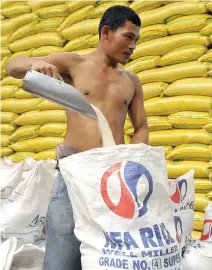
[30,126]
[174,63]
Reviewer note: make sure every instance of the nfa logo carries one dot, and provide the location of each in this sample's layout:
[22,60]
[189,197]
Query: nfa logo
[207,230]
[178,227]
[178,190]
[129,174]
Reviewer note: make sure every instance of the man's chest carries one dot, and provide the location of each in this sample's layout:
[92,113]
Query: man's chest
[96,87]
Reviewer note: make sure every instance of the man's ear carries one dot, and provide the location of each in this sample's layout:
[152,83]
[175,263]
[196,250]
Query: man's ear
[105,31]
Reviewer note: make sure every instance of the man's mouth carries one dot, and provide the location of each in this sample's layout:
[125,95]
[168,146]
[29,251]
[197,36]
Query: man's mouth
[127,54]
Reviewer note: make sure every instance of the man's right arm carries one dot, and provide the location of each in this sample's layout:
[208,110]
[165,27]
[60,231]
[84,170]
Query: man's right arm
[52,65]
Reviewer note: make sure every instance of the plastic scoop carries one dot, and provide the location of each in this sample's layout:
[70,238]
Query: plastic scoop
[57,91]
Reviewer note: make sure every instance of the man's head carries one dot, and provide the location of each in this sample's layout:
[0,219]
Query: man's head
[119,32]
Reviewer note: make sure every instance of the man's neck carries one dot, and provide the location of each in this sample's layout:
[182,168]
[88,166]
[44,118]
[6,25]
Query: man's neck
[101,57]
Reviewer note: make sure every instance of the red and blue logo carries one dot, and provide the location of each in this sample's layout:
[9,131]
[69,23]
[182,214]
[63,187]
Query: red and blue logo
[180,191]
[207,230]
[129,175]
[178,227]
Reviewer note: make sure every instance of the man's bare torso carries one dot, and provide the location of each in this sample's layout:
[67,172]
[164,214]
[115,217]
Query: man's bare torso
[109,89]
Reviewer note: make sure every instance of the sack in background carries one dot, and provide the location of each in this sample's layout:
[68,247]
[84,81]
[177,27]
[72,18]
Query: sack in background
[207,227]
[7,250]
[24,212]
[11,176]
[182,197]
[198,255]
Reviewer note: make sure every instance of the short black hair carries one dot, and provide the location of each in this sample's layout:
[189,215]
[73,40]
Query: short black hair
[116,16]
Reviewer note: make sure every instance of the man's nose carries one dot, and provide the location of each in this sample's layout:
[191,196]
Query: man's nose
[132,45]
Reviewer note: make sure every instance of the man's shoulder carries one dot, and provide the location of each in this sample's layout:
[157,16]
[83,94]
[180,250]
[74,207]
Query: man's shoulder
[69,60]
[132,76]
[67,56]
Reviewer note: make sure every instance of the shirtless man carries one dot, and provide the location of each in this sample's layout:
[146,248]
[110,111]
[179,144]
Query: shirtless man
[109,87]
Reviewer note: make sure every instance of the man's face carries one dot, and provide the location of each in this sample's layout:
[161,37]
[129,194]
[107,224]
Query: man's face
[121,43]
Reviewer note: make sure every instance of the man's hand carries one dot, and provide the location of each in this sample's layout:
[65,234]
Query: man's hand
[47,69]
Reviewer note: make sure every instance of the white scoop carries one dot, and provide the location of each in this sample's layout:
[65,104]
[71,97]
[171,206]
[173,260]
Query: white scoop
[57,91]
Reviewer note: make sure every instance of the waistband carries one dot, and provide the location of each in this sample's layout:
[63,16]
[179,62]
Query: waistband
[63,151]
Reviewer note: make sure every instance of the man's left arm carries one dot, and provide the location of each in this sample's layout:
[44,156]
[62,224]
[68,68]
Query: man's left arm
[137,115]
